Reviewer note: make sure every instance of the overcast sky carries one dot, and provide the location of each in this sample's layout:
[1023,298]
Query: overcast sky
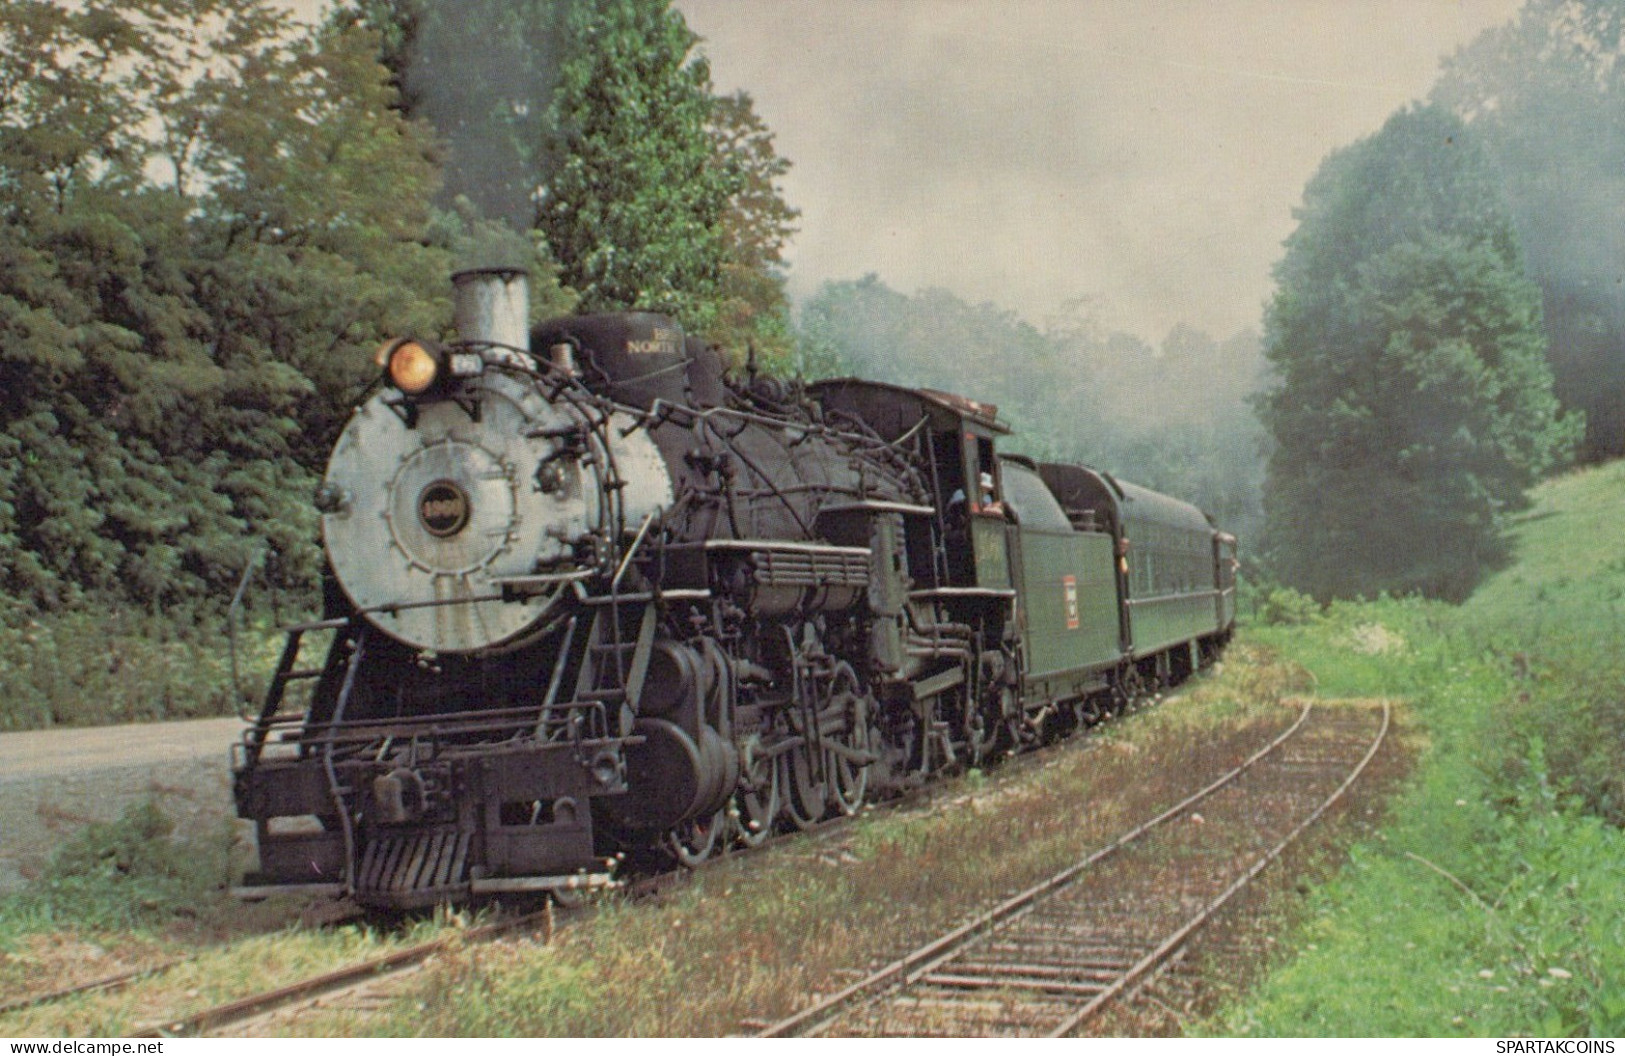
[1147,154]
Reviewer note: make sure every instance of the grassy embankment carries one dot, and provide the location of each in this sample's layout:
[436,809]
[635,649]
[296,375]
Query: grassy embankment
[1491,904]
[754,939]
[135,894]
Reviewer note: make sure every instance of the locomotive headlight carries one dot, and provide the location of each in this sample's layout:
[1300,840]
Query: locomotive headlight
[412,368]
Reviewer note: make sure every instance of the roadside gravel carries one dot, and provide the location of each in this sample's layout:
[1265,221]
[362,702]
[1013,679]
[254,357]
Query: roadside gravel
[55,782]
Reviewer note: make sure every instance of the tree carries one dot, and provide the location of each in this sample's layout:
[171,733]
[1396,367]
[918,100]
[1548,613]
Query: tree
[1414,404]
[209,217]
[634,202]
[756,225]
[1546,95]
[589,121]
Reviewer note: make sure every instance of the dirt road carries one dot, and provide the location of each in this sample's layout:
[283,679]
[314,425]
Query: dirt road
[54,782]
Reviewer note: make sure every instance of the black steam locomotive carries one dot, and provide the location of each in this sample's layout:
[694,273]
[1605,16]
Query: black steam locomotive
[587,596]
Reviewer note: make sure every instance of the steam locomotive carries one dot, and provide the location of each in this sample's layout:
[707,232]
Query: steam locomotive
[587,596]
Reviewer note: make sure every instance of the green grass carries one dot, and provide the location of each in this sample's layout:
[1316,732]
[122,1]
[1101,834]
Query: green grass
[1490,904]
[1558,616]
[135,893]
[131,877]
[94,667]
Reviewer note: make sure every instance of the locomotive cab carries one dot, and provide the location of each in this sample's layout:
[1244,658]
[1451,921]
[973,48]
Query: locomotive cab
[954,439]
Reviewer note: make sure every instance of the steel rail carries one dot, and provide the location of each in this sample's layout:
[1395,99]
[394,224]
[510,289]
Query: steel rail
[649,886]
[241,1009]
[194,1024]
[118,981]
[1178,937]
[106,984]
[912,966]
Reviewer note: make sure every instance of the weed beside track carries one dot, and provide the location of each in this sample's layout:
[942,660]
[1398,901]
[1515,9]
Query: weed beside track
[1056,956]
[1489,905]
[756,937]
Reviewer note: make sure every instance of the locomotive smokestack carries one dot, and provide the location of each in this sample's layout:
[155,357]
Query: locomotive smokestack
[493,305]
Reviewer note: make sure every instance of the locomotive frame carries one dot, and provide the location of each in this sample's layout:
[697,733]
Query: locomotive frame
[588,598]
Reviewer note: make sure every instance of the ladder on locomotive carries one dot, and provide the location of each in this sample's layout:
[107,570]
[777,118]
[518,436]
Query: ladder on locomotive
[288,672]
[614,663]
[613,667]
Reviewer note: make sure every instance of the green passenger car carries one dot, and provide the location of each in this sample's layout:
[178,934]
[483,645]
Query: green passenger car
[1168,569]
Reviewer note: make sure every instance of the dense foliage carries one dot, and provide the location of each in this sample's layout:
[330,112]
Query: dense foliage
[194,255]
[210,214]
[634,207]
[1414,404]
[752,309]
[1546,95]
[1487,904]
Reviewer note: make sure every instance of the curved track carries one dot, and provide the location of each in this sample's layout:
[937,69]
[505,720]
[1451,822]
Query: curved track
[1051,959]
[1044,961]
[341,984]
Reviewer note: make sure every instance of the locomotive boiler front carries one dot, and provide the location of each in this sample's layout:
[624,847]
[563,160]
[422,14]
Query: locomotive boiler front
[463,500]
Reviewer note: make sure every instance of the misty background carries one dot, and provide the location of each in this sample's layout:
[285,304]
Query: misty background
[1104,185]
[1147,155]
[1070,209]
[1115,182]
[1078,211]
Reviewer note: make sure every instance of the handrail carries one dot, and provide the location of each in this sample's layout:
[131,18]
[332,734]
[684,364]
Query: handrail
[626,562]
[243,699]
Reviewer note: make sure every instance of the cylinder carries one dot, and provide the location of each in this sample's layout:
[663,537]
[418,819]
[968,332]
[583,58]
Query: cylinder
[492,306]
[672,679]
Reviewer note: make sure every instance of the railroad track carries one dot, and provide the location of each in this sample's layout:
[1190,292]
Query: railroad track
[350,977]
[358,984]
[1051,959]
[104,985]
[353,983]
[121,981]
